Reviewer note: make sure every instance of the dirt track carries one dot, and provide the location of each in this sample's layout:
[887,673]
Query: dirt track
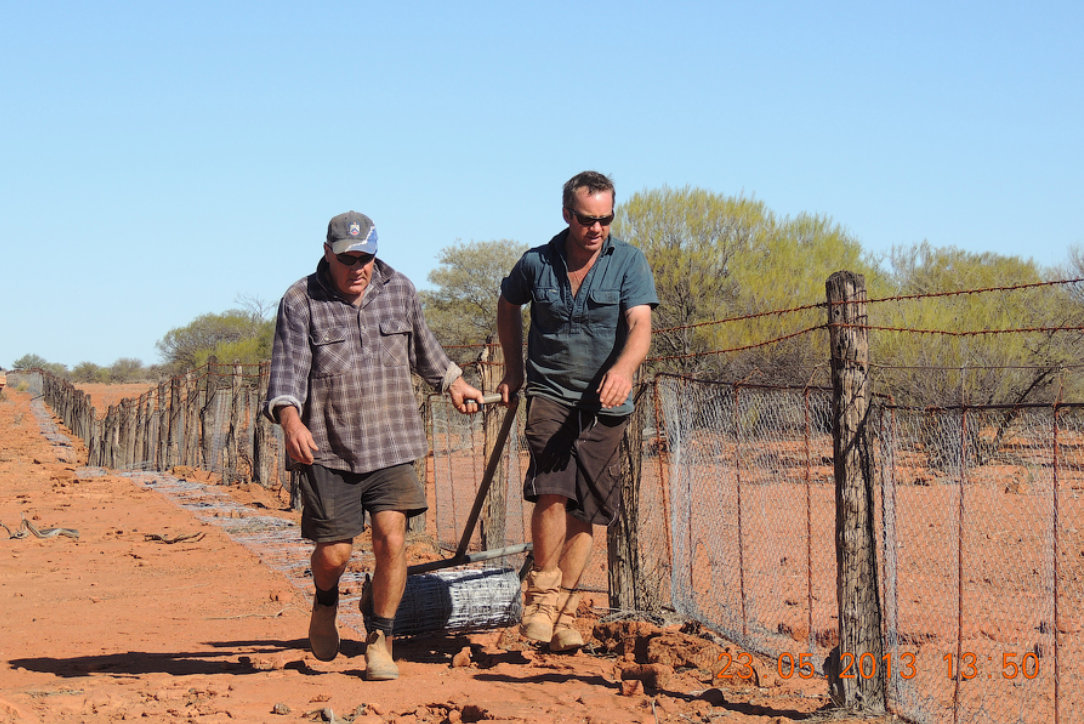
[117,625]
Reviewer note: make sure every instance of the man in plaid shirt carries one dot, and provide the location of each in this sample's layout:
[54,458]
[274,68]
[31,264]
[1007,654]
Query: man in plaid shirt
[346,341]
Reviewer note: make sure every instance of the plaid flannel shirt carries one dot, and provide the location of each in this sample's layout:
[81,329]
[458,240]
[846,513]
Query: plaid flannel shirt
[347,368]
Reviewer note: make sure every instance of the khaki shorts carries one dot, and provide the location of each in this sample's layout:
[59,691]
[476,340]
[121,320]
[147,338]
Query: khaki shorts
[335,501]
[574,454]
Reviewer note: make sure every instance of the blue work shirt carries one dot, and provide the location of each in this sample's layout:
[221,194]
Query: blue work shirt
[573,341]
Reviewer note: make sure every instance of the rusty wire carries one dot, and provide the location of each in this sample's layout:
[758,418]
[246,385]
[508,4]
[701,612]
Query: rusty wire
[970,333]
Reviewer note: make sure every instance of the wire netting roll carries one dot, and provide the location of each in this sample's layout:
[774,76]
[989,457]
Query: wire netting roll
[454,600]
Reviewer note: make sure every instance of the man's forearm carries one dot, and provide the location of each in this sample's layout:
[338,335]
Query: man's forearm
[287,416]
[637,343]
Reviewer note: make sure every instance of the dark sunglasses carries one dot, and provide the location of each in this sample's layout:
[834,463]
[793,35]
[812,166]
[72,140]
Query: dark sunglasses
[347,260]
[590,221]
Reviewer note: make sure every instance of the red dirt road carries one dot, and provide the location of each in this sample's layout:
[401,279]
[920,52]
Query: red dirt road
[119,626]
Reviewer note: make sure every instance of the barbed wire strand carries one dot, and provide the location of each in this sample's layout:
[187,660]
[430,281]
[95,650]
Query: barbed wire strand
[970,333]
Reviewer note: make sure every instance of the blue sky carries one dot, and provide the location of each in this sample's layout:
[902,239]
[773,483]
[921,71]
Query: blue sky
[160,159]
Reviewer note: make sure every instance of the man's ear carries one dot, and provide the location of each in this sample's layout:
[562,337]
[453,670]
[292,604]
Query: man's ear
[567,216]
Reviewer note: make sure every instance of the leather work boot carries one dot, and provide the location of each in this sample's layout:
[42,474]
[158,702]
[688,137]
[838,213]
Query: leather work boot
[566,637]
[323,633]
[378,662]
[540,605]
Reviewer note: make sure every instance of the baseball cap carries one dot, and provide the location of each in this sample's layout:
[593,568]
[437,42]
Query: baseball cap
[351,232]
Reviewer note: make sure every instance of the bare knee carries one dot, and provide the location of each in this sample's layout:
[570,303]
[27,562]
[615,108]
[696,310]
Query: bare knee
[329,561]
[389,534]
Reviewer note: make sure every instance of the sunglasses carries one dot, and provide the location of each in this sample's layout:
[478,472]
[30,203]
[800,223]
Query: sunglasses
[349,261]
[590,221]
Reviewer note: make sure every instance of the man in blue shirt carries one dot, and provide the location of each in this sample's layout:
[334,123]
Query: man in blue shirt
[591,298]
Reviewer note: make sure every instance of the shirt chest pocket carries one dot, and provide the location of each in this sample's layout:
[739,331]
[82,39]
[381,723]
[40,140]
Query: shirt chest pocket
[395,342]
[548,309]
[330,352]
[604,307]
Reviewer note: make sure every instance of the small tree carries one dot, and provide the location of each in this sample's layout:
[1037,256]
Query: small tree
[462,309]
[32,361]
[250,350]
[89,372]
[187,347]
[29,361]
[127,369]
[956,366]
[979,369]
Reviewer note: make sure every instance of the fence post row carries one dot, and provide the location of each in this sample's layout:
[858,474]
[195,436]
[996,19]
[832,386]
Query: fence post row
[857,578]
[173,423]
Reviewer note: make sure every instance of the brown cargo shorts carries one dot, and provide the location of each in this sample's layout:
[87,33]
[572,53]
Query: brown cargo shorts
[574,453]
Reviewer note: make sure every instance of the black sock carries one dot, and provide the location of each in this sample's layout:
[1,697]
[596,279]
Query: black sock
[387,625]
[328,598]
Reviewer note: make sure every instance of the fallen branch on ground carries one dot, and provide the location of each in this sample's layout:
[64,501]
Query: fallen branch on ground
[175,539]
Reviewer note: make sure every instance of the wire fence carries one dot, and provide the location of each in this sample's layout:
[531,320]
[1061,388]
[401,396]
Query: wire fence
[979,515]
[751,511]
[984,559]
[208,418]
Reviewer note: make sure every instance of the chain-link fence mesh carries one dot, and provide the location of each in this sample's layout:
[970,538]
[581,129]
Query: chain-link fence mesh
[751,513]
[459,446]
[983,582]
[981,552]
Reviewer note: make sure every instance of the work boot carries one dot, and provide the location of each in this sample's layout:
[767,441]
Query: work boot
[566,637]
[378,662]
[323,633]
[540,605]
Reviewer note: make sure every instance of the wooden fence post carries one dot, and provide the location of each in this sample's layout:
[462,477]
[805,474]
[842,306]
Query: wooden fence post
[262,451]
[129,428]
[103,440]
[87,417]
[140,431]
[150,423]
[94,457]
[77,414]
[494,523]
[176,433]
[161,452]
[120,459]
[233,432]
[107,421]
[209,417]
[113,458]
[191,421]
[857,590]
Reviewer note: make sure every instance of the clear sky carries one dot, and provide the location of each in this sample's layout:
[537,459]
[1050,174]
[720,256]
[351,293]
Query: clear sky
[158,159]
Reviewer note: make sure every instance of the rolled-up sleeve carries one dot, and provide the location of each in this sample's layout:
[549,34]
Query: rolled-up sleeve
[291,356]
[429,359]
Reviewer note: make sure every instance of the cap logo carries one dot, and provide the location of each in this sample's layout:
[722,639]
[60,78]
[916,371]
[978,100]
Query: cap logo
[355,228]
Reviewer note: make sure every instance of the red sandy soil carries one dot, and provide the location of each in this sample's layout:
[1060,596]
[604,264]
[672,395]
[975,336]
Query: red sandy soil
[118,626]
